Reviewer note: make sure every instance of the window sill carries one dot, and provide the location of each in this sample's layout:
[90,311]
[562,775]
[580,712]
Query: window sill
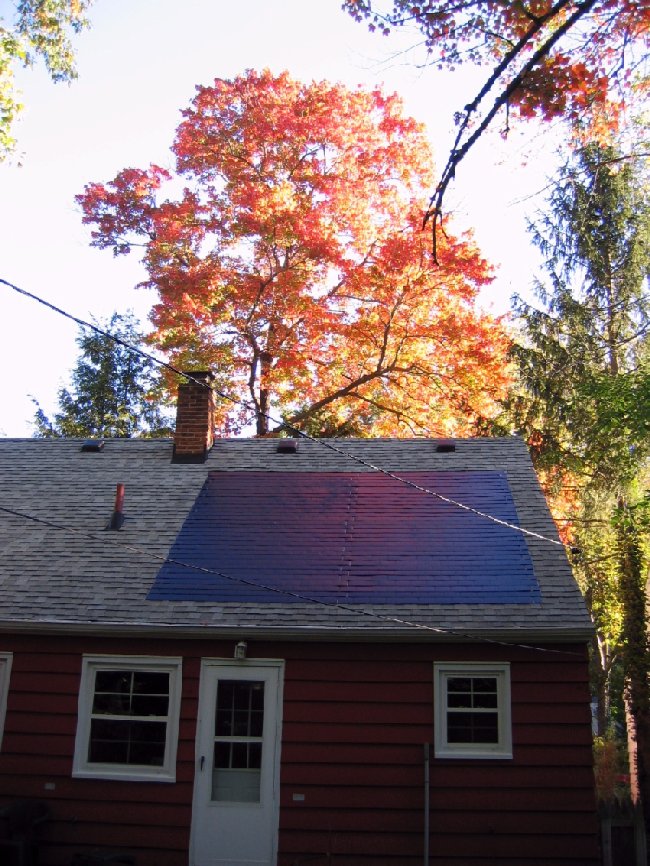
[135,774]
[457,754]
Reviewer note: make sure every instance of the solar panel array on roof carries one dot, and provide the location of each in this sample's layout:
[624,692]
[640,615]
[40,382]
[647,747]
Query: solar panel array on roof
[357,537]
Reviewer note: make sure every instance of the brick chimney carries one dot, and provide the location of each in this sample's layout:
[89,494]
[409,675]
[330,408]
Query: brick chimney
[194,434]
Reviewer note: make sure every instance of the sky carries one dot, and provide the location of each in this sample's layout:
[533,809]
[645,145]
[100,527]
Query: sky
[138,66]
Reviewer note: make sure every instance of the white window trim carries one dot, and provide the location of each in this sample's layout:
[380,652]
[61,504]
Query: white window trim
[442,671]
[6,660]
[82,767]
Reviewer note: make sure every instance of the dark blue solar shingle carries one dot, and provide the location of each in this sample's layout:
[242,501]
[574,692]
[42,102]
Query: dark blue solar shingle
[350,538]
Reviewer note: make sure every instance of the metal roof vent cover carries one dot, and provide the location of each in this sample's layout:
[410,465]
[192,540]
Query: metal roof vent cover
[93,445]
[445,447]
[287,446]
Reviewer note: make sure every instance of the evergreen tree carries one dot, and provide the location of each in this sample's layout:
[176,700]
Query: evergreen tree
[115,391]
[583,402]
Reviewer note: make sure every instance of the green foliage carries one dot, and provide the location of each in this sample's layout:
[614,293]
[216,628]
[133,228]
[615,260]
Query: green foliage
[39,29]
[632,547]
[583,402]
[584,357]
[116,392]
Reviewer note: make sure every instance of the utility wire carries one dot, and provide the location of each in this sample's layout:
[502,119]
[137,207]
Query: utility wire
[358,611]
[324,443]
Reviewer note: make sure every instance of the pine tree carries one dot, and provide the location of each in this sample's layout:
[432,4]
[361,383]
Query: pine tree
[114,392]
[583,402]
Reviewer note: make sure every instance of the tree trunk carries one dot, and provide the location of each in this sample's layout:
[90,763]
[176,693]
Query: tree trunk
[599,674]
[263,402]
[636,654]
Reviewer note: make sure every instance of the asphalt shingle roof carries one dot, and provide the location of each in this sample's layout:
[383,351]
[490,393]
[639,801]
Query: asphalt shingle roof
[84,576]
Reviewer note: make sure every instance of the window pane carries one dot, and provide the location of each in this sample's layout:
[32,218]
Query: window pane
[241,695]
[239,755]
[459,684]
[484,684]
[147,743]
[125,742]
[240,708]
[472,692]
[460,699]
[113,681]
[223,723]
[111,704]
[149,705]
[222,755]
[108,742]
[132,693]
[240,723]
[255,755]
[485,701]
[257,697]
[112,692]
[472,727]
[150,683]
[256,724]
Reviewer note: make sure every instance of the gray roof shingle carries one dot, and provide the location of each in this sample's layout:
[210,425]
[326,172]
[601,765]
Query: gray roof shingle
[84,577]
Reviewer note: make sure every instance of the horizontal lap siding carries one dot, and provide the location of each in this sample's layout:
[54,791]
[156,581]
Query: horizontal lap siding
[355,721]
[355,724]
[150,819]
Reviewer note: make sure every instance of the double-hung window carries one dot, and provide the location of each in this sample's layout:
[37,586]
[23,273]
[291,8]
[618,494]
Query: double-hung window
[128,718]
[472,702]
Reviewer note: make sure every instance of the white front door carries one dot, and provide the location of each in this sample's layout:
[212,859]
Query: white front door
[236,791]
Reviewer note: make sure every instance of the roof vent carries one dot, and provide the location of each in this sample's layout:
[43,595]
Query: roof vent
[445,447]
[93,445]
[287,446]
[117,517]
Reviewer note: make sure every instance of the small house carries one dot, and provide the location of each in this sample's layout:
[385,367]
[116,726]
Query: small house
[291,652]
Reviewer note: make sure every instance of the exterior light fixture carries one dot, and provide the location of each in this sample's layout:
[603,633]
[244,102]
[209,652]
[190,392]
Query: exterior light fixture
[240,650]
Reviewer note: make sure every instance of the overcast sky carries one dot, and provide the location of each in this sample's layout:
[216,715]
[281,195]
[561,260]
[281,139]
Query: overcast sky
[138,66]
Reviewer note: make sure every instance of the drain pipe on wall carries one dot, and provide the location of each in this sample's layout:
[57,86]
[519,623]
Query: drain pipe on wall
[426,803]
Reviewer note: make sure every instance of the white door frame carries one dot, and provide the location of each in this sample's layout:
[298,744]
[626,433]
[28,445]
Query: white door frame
[246,668]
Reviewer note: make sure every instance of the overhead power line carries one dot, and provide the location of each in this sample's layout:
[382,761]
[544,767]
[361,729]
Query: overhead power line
[324,443]
[297,596]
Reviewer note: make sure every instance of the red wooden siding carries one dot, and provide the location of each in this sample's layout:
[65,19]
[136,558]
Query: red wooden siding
[355,721]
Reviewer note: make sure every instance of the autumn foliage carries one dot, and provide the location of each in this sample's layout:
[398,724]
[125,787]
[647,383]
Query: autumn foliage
[289,258]
[578,60]
[572,58]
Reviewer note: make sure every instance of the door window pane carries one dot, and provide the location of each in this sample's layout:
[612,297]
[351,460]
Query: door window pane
[239,722]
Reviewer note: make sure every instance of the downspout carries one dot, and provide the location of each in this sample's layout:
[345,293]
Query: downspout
[426,804]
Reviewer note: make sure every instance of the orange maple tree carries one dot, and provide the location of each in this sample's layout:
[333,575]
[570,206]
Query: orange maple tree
[290,258]
[575,59]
